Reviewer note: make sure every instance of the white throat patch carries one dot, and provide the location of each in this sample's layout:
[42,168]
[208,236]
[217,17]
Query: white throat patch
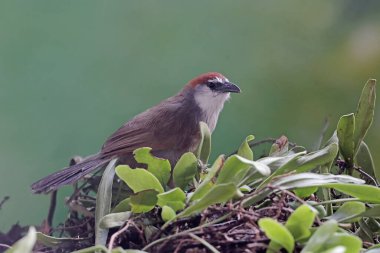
[211,103]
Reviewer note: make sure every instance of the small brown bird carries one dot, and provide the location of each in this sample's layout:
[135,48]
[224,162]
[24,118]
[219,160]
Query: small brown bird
[170,128]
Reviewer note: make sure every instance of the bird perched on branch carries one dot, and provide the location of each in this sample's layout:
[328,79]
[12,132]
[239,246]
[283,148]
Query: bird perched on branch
[170,128]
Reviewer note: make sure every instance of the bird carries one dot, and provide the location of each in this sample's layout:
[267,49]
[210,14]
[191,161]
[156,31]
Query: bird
[170,129]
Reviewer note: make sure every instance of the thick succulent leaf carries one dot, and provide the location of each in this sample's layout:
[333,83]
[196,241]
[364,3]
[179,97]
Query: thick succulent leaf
[366,193]
[303,163]
[143,201]
[218,193]
[305,180]
[347,211]
[364,112]
[57,242]
[103,202]
[364,160]
[236,167]
[277,233]
[300,221]
[204,148]
[185,169]
[353,244]
[122,206]
[366,230]
[337,249]
[114,219]
[245,150]
[205,186]
[345,132]
[320,237]
[159,167]
[167,213]
[278,161]
[174,198]
[305,192]
[25,244]
[138,179]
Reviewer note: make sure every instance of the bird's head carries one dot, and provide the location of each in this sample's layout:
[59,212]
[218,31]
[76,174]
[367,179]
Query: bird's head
[210,91]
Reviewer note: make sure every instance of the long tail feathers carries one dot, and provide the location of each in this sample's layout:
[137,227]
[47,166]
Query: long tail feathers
[67,175]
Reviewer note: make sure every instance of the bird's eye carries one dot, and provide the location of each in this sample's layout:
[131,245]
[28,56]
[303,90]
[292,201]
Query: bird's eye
[211,85]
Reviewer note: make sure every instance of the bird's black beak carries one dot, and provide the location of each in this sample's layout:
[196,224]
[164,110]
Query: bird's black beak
[229,87]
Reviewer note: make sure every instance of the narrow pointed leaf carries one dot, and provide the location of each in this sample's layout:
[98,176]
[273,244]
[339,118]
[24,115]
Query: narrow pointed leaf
[303,163]
[204,149]
[365,161]
[345,132]
[103,202]
[364,112]
[347,211]
[114,219]
[236,167]
[25,244]
[217,194]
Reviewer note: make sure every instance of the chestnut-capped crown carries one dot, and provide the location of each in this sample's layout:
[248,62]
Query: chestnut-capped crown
[215,81]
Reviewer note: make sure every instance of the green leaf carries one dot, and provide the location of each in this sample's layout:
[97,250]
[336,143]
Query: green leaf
[366,230]
[204,148]
[300,221]
[138,179]
[236,167]
[122,206]
[25,244]
[174,198]
[345,132]
[217,194]
[305,192]
[373,211]
[205,186]
[364,112]
[167,213]
[337,249]
[143,201]
[185,169]
[366,193]
[301,180]
[303,163]
[277,233]
[352,243]
[114,219]
[159,167]
[365,161]
[55,242]
[245,150]
[320,237]
[347,211]
[103,202]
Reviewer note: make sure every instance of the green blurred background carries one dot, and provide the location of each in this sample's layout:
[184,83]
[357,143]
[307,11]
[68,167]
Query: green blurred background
[71,72]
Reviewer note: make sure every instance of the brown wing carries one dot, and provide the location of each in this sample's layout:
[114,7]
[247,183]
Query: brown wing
[162,127]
